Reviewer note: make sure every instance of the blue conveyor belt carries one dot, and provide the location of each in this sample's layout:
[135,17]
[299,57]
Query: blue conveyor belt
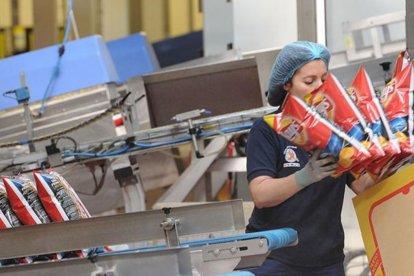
[275,238]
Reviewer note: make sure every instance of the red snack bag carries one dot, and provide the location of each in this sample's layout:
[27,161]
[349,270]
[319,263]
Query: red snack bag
[333,103]
[401,62]
[25,201]
[60,201]
[26,204]
[59,198]
[397,101]
[306,128]
[362,93]
[6,210]
[8,219]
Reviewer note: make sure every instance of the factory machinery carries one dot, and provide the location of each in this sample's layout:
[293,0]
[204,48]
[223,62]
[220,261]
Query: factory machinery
[106,127]
[95,126]
[201,239]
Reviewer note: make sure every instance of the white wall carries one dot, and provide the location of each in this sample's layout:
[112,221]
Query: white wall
[248,25]
[262,24]
[338,12]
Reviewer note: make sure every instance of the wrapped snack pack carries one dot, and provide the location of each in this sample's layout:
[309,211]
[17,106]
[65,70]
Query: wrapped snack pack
[25,201]
[362,93]
[333,103]
[303,126]
[397,101]
[60,200]
[8,219]
[6,210]
[401,62]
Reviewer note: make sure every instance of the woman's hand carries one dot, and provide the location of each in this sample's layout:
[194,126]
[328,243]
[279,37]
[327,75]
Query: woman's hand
[316,169]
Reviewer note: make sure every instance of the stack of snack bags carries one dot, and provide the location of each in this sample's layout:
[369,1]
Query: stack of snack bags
[22,202]
[397,102]
[333,103]
[364,134]
[8,219]
[302,125]
[363,94]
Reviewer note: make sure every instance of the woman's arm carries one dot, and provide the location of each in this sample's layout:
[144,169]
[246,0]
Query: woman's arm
[363,183]
[267,191]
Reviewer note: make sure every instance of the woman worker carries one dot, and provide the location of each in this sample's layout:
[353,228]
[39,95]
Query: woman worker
[290,187]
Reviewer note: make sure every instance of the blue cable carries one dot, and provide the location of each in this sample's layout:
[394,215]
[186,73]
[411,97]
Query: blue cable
[152,145]
[226,130]
[68,21]
[55,72]
[87,154]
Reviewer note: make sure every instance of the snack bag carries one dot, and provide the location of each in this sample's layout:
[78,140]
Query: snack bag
[61,202]
[8,219]
[6,210]
[333,103]
[362,93]
[397,101]
[25,201]
[59,198]
[304,127]
[401,62]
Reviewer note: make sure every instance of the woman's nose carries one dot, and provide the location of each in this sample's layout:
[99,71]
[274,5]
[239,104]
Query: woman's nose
[318,83]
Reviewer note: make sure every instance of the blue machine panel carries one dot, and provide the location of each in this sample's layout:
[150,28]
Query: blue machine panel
[85,63]
[133,56]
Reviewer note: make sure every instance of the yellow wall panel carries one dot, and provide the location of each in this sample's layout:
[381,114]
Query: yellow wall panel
[154,19]
[6,19]
[196,16]
[25,13]
[2,44]
[179,17]
[114,19]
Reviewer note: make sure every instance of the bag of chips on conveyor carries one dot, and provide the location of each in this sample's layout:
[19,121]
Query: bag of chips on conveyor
[333,103]
[8,219]
[61,203]
[397,102]
[362,93]
[59,198]
[6,210]
[304,127]
[24,200]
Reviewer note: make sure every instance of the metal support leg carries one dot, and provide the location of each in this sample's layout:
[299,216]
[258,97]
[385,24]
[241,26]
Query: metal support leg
[131,185]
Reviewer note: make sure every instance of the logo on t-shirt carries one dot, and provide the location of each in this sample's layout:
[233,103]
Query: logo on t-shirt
[291,157]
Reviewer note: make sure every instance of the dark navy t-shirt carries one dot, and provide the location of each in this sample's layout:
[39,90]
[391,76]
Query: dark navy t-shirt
[315,211]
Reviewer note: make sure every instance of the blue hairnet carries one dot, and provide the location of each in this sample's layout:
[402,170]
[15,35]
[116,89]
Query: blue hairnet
[292,57]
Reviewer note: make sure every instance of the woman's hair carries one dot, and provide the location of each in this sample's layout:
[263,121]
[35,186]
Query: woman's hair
[292,57]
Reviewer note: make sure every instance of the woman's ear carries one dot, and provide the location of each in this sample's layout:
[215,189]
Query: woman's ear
[287,86]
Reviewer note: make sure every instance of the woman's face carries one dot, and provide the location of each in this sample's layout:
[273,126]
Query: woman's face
[309,77]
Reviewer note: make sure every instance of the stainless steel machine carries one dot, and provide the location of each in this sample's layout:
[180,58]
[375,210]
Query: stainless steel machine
[205,239]
[99,137]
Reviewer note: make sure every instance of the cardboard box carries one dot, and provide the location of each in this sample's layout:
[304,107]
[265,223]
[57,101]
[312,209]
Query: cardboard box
[385,214]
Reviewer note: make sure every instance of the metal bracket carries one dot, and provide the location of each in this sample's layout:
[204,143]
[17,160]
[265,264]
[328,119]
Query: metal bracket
[235,249]
[170,228]
[188,116]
